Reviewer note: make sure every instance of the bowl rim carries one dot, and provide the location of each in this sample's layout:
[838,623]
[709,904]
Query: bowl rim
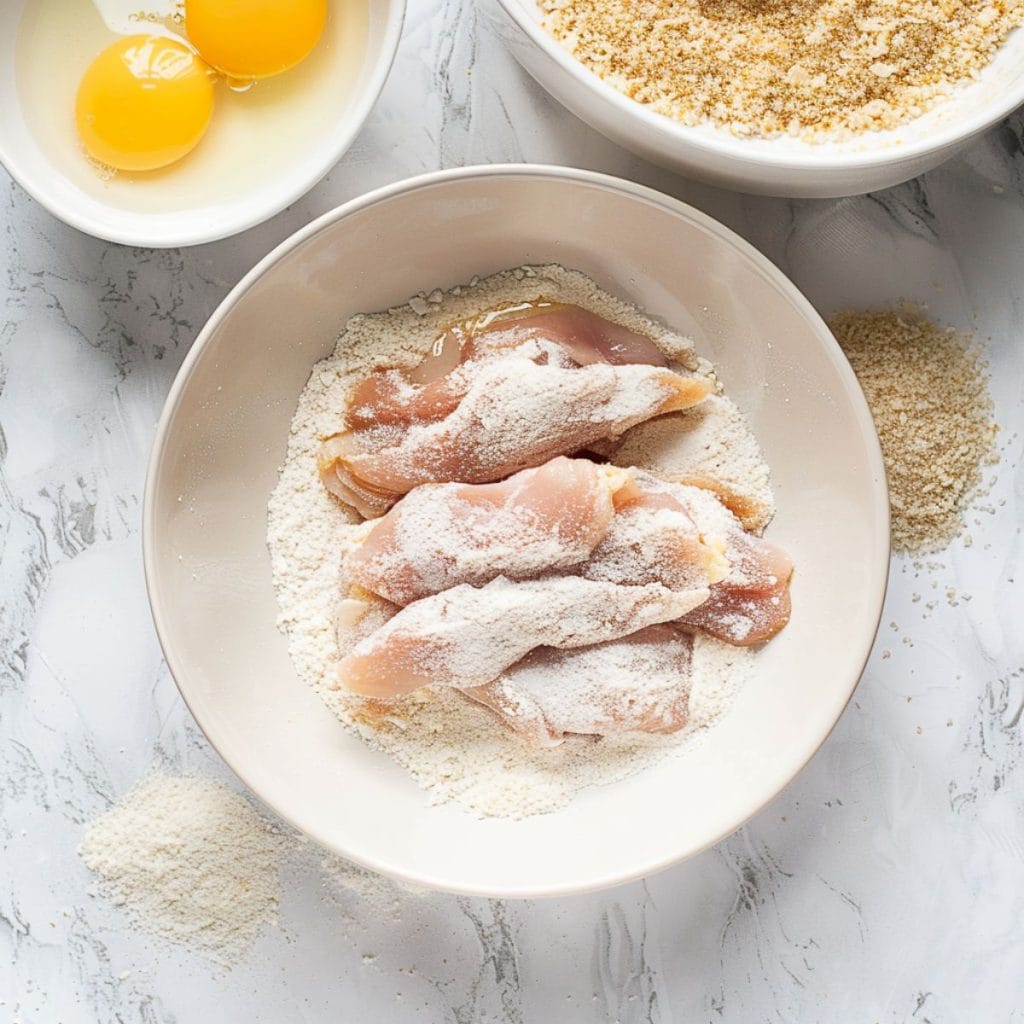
[159,453]
[66,211]
[724,145]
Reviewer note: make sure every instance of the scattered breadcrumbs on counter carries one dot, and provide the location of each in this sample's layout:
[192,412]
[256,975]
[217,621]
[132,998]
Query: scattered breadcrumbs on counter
[809,68]
[927,388]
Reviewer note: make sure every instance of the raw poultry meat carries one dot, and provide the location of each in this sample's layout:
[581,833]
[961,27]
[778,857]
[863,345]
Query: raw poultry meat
[751,602]
[431,390]
[569,516]
[585,336]
[440,535]
[689,446]
[595,646]
[516,414]
[559,593]
[640,683]
[572,517]
[468,636]
[519,393]
[653,538]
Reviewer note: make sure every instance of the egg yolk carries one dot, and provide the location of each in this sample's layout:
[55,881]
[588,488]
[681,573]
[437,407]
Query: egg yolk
[254,38]
[144,103]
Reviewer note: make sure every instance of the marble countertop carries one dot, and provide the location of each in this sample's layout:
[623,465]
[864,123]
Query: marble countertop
[885,884]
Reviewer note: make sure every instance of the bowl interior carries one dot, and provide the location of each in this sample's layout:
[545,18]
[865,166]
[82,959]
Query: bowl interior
[344,75]
[223,438]
[998,90]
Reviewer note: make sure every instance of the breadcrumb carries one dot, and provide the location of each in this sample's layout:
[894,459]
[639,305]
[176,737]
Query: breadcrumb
[809,68]
[927,389]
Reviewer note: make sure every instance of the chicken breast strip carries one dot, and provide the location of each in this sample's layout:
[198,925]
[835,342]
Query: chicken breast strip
[516,414]
[559,518]
[640,683]
[440,535]
[751,603]
[566,335]
[468,636]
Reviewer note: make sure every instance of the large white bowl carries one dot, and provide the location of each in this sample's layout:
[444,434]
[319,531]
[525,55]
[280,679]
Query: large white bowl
[197,222]
[783,166]
[222,439]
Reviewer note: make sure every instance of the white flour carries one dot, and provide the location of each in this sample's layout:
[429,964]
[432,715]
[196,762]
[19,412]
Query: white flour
[191,861]
[194,863]
[377,893]
[452,748]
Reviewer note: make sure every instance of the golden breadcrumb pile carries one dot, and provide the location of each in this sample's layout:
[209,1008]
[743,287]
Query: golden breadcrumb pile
[799,67]
[928,393]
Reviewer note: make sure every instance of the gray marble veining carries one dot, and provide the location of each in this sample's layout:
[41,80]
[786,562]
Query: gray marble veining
[886,884]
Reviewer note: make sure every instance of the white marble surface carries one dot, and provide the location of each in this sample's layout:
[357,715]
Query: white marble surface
[886,884]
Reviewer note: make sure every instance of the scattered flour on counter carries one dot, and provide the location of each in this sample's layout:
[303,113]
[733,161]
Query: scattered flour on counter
[191,861]
[194,863]
[342,877]
[454,749]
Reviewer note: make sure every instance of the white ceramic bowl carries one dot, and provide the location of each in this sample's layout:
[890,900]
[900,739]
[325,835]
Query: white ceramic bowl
[784,166]
[198,221]
[222,439]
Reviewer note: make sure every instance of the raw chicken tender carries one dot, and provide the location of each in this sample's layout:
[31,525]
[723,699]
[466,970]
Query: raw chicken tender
[566,517]
[640,683]
[585,336]
[751,603]
[441,535]
[514,398]
[557,592]
[469,636]
[565,334]
[517,414]
[654,539]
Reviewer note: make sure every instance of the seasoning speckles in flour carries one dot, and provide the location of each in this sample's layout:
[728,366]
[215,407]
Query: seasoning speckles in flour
[454,749]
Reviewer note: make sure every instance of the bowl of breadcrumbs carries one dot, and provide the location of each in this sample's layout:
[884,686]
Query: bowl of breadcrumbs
[779,97]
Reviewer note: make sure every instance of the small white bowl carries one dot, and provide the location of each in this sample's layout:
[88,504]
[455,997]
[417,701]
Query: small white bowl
[778,166]
[222,439]
[193,223]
